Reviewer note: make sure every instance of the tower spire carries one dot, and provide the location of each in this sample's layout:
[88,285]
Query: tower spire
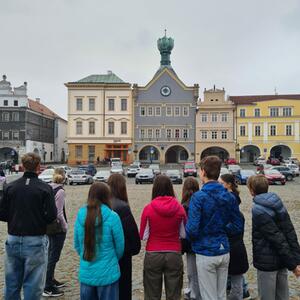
[165,46]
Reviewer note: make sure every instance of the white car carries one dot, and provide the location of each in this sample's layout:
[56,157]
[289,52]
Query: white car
[67,169]
[47,175]
[117,169]
[155,168]
[102,176]
[224,171]
[294,168]
[144,175]
[115,160]
[79,177]
[133,170]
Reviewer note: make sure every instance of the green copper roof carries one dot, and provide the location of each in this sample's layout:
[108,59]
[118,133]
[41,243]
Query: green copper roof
[165,46]
[101,78]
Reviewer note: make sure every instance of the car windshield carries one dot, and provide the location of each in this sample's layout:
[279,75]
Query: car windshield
[116,167]
[48,172]
[272,172]
[154,167]
[103,173]
[247,172]
[172,172]
[78,172]
[146,171]
[83,168]
[134,167]
[190,166]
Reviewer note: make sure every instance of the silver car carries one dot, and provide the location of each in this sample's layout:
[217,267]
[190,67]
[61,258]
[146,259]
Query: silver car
[144,175]
[47,175]
[117,169]
[79,177]
[102,176]
[133,170]
[155,168]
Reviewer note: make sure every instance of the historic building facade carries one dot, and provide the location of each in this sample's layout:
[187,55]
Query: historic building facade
[164,114]
[215,126]
[99,119]
[267,125]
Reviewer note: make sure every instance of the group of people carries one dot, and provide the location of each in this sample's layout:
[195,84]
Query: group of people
[207,226]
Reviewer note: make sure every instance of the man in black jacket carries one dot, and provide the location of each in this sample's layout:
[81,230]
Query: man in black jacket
[275,243]
[27,206]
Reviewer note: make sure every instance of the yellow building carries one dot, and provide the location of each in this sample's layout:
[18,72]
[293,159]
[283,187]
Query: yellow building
[100,122]
[267,125]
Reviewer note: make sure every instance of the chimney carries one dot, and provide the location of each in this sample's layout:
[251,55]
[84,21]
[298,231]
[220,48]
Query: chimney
[109,72]
[38,100]
[4,77]
[25,83]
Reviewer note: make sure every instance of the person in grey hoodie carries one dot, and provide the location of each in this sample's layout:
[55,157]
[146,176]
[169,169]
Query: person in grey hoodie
[57,234]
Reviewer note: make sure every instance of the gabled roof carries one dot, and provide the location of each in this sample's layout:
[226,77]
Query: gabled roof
[259,98]
[40,108]
[101,78]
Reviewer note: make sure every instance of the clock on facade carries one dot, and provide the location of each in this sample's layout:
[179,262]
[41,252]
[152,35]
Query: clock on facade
[165,91]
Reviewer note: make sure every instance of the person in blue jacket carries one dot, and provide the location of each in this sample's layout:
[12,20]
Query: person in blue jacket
[99,241]
[210,211]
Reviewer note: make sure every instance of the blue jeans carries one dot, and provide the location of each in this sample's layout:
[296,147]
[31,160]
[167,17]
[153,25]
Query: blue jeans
[25,266]
[107,292]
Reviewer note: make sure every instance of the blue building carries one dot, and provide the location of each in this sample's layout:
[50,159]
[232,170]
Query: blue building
[165,114]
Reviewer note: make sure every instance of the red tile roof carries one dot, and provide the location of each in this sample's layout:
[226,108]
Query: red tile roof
[41,108]
[259,98]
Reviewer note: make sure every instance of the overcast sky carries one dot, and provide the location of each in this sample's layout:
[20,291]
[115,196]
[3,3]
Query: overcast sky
[248,47]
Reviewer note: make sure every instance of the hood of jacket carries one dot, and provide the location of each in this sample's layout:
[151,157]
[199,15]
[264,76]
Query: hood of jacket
[165,206]
[105,212]
[270,201]
[56,185]
[217,191]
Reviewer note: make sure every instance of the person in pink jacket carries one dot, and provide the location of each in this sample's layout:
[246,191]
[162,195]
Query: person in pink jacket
[162,226]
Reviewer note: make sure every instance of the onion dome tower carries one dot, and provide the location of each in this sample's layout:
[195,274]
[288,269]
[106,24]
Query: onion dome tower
[165,46]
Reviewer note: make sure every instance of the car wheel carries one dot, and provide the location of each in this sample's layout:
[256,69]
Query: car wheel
[136,182]
[70,183]
[289,177]
[282,182]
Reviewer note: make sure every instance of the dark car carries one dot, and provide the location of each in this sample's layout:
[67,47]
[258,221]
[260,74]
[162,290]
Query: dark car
[175,176]
[273,161]
[89,169]
[287,172]
[243,175]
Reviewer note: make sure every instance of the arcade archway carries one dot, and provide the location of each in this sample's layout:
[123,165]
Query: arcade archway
[176,154]
[217,151]
[8,154]
[249,153]
[281,152]
[149,154]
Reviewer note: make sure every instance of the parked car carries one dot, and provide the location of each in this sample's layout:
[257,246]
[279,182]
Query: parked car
[89,169]
[230,161]
[133,170]
[67,169]
[47,175]
[224,171]
[190,169]
[137,163]
[294,168]
[117,169]
[287,172]
[80,176]
[115,160]
[155,168]
[175,176]
[260,161]
[294,160]
[102,176]
[274,176]
[234,169]
[144,175]
[243,175]
[273,161]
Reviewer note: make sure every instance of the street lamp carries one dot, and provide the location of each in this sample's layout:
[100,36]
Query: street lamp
[151,154]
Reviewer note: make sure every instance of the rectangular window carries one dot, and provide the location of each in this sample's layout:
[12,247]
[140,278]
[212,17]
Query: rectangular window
[214,135]
[273,130]
[142,133]
[157,111]
[78,151]
[185,133]
[150,111]
[214,117]
[224,135]
[111,128]
[5,117]
[204,135]
[274,111]
[5,102]
[15,135]
[169,111]
[185,111]
[242,130]
[287,111]
[257,112]
[177,111]
[242,112]
[78,127]
[143,111]
[123,104]
[16,103]
[150,133]
[257,131]
[6,135]
[224,117]
[79,104]
[169,133]
[15,116]
[203,118]
[177,133]
[111,104]
[91,153]
[123,127]
[288,130]
[91,127]
[91,104]
[157,133]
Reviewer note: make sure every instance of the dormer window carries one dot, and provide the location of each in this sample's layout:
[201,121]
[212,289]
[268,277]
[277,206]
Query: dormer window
[16,103]
[5,102]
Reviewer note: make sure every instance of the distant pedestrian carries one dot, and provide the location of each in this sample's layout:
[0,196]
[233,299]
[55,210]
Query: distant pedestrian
[56,232]
[238,264]
[2,174]
[162,225]
[99,242]
[190,187]
[17,167]
[28,206]
[210,211]
[120,205]
[275,245]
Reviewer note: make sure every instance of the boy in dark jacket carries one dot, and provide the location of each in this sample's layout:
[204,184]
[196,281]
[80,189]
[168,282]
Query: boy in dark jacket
[210,210]
[275,243]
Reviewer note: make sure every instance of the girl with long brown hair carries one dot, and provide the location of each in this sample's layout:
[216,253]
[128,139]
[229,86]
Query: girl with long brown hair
[120,205]
[99,241]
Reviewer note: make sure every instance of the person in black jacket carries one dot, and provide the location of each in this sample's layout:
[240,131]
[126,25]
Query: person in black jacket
[121,206]
[27,206]
[275,243]
[238,264]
